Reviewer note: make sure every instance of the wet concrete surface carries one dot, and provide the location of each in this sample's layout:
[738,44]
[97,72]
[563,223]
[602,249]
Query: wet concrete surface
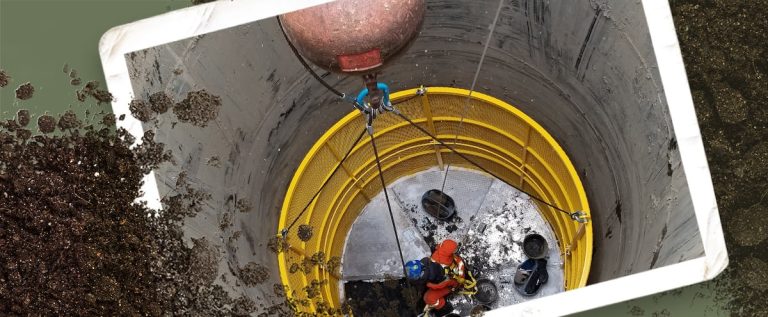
[491,222]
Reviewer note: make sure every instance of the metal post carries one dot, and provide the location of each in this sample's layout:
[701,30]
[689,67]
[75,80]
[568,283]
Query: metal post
[524,159]
[431,126]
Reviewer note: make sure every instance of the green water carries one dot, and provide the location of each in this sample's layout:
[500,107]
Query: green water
[38,37]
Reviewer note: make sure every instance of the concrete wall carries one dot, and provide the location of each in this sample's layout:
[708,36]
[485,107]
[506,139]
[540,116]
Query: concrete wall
[583,69]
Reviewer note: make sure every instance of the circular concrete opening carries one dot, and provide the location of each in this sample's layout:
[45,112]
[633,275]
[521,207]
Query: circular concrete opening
[492,133]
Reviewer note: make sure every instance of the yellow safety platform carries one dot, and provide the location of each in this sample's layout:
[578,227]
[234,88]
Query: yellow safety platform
[493,134]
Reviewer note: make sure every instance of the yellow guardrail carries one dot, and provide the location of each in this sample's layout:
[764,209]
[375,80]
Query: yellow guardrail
[494,134]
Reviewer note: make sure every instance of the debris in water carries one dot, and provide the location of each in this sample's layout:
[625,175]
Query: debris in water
[318,258]
[22,117]
[160,102]
[25,91]
[140,109]
[203,261]
[306,265]
[92,85]
[46,123]
[92,248]
[313,289]
[77,229]
[149,155]
[80,95]
[305,232]
[10,125]
[214,161]
[243,205]
[278,244]
[102,96]
[254,274]
[243,306]
[233,239]
[69,121]
[226,221]
[198,108]
[333,265]
[279,290]
[383,298]
[91,88]
[23,134]
[4,78]
[108,120]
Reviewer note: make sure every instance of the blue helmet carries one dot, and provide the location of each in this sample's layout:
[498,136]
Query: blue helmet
[414,269]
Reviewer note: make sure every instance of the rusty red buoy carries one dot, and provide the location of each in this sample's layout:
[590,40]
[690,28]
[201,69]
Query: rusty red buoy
[353,36]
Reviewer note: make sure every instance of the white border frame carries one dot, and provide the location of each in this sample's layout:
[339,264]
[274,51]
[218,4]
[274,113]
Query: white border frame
[210,17]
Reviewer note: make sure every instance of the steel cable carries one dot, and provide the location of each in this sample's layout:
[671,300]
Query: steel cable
[453,150]
[389,206]
[346,155]
[472,87]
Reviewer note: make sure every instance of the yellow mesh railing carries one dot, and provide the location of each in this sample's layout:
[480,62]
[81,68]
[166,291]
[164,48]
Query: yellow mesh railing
[493,134]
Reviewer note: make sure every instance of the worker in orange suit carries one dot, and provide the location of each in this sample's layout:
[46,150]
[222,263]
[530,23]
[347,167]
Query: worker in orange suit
[453,266]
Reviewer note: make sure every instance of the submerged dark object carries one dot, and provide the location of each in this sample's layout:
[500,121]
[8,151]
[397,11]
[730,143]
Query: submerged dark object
[535,246]
[478,310]
[352,36]
[487,292]
[530,276]
[438,204]
[379,298]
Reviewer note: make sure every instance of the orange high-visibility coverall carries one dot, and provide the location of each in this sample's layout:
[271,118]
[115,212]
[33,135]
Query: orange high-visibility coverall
[444,255]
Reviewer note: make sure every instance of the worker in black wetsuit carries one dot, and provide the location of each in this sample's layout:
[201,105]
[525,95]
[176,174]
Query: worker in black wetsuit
[423,272]
[436,277]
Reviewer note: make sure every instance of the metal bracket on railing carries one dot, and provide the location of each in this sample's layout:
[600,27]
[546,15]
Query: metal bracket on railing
[369,122]
[580,216]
